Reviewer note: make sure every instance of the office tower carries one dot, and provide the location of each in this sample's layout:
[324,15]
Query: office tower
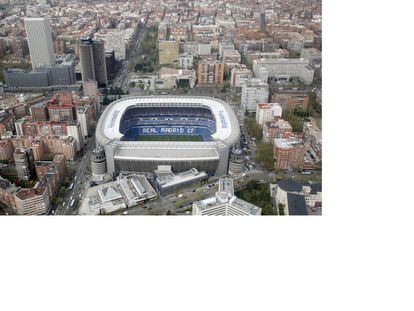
[39,38]
[24,160]
[92,58]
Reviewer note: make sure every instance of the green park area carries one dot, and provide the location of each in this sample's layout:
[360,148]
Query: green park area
[147,60]
[258,194]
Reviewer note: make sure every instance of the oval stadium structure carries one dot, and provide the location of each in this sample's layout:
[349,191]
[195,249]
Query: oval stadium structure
[139,133]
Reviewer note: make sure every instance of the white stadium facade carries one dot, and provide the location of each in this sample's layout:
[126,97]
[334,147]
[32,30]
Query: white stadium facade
[139,133]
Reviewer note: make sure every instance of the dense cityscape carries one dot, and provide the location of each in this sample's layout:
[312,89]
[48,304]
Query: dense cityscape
[161,107]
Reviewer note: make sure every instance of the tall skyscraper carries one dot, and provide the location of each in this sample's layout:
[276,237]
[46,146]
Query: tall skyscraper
[39,38]
[92,58]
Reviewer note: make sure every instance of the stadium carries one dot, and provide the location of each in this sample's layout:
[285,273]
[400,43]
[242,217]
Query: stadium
[139,133]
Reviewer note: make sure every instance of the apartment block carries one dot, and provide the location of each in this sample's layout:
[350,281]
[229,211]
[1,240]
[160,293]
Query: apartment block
[210,73]
[288,153]
[267,111]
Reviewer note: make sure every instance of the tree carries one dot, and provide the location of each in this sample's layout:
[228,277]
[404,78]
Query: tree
[295,121]
[253,128]
[281,209]
[264,156]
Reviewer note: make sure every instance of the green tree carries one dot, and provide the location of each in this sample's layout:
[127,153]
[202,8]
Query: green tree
[295,121]
[281,209]
[264,156]
[253,128]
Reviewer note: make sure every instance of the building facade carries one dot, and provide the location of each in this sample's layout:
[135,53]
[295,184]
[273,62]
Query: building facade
[39,38]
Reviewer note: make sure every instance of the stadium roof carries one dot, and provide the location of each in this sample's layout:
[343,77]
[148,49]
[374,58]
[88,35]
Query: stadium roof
[227,125]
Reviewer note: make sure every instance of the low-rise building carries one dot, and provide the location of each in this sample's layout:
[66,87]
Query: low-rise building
[283,69]
[293,198]
[109,197]
[167,182]
[276,129]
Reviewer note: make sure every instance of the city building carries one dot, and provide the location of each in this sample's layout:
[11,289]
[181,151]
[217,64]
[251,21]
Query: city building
[254,91]
[115,40]
[39,38]
[210,73]
[289,153]
[204,49]
[276,129]
[74,130]
[126,191]
[313,139]
[186,60]
[167,182]
[225,203]
[60,112]
[61,73]
[313,55]
[98,161]
[283,69]
[7,193]
[6,149]
[239,75]
[237,161]
[24,161]
[92,60]
[34,201]
[82,117]
[39,112]
[168,52]
[295,198]
[267,111]
[291,99]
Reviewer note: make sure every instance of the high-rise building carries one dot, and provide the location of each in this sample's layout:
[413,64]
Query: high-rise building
[24,160]
[114,39]
[90,89]
[39,38]
[93,62]
[74,130]
[82,116]
[254,91]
